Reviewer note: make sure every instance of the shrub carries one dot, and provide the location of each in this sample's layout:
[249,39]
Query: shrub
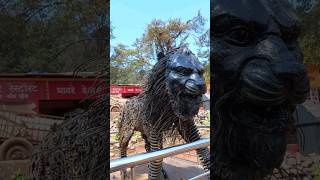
[19,175]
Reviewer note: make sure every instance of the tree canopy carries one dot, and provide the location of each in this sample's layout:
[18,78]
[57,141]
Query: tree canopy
[129,65]
[51,35]
[309,13]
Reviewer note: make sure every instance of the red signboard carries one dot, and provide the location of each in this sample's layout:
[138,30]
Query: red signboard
[17,91]
[125,89]
[74,90]
[33,90]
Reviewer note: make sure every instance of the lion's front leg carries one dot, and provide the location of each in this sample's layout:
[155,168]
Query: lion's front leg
[190,133]
[125,137]
[155,144]
[123,145]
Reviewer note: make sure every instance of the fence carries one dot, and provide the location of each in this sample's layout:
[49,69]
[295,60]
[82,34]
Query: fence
[135,160]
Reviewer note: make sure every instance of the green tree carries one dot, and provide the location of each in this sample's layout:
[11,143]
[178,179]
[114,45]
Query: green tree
[172,34]
[309,13]
[207,73]
[51,36]
[127,65]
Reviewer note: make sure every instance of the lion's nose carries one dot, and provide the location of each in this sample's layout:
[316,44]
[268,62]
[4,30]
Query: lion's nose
[288,71]
[194,87]
[295,79]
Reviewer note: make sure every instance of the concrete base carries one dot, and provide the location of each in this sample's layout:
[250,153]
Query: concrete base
[177,169]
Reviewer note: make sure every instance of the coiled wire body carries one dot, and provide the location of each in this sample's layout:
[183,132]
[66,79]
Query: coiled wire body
[189,133]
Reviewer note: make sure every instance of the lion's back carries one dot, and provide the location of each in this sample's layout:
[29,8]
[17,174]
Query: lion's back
[131,115]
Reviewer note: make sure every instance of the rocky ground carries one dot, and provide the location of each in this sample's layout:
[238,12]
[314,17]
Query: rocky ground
[299,167]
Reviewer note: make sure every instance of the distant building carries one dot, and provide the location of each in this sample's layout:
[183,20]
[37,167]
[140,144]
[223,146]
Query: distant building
[307,116]
[49,93]
[125,90]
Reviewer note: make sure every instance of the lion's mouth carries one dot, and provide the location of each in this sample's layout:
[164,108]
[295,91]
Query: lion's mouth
[186,105]
[194,98]
[264,119]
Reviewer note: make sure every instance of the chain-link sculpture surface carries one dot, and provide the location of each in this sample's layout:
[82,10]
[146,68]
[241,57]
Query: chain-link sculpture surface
[171,98]
[258,80]
[77,148]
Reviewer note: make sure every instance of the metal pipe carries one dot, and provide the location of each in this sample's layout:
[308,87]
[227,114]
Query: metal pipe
[201,175]
[198,126]
[131,173]
[131,161]
[202,126]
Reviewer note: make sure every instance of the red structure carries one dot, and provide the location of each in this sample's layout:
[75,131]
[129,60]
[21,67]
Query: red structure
[125,90]
[52,94]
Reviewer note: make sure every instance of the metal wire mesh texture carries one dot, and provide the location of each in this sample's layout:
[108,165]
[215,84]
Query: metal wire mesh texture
[76,149]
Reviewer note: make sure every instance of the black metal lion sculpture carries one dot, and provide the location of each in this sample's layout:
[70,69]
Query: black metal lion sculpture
[171,98]
[258,81]
[77,148]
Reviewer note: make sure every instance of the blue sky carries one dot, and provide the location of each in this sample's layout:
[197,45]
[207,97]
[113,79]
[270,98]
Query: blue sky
[129,18]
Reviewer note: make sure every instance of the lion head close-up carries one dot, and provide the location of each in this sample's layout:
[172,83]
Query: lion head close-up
[259,80]
[178,79]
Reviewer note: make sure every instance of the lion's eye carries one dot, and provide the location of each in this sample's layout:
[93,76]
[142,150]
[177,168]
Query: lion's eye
[238,36]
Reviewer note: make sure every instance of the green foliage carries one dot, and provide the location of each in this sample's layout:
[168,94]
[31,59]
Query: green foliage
[129,65]
[51,36]
[136,135]
[207,73]
[310,36]
[167,35]
[164,34]
[19,176]
[115,137]
[207,121]
[316,171]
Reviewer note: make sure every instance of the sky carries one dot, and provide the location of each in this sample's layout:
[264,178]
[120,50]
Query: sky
[129,18]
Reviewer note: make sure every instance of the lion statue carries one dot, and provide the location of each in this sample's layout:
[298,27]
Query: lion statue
[171,97]
[76,148]
[258,81]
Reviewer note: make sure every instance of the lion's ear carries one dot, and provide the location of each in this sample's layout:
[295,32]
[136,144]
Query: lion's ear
[160,55]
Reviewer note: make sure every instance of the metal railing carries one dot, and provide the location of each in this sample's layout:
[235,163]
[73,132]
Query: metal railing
[139,159]
[201,175]
[200,126]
